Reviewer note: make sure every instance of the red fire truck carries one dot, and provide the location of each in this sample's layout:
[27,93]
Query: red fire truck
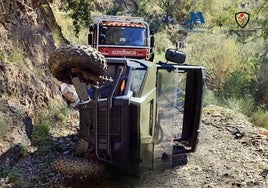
[122,36]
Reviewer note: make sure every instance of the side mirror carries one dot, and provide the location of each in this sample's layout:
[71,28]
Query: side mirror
[175,56]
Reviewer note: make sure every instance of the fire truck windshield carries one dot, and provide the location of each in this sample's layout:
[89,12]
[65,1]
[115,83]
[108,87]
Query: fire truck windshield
[124,36]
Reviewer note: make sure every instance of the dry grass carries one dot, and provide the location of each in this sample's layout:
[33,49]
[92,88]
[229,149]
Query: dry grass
[67,27]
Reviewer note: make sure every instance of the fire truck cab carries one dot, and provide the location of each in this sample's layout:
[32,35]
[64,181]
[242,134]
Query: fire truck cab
[122,36]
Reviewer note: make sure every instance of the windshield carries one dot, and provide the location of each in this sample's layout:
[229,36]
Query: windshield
[170,104]
[126,36]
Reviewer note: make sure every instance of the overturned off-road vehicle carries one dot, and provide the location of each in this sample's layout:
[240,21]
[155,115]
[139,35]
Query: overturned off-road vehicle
[142,114]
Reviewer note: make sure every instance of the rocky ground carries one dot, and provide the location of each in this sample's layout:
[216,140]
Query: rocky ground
[224,157]
[231,153]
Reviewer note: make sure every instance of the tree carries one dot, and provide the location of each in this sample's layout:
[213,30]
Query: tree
[261,15]
[175,9]
[261,85]
[79,11]
[101,5]
[130,6]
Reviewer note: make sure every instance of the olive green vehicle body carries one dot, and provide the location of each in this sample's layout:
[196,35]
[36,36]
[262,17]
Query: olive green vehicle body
[121,125]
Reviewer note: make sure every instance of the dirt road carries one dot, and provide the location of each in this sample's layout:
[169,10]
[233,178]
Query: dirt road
[225,157]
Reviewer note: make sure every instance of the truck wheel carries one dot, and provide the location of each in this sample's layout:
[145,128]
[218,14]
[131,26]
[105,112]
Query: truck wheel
[78,166]
[85,58]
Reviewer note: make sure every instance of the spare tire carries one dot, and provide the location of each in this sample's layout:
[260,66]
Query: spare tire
[83,57]
[78,166]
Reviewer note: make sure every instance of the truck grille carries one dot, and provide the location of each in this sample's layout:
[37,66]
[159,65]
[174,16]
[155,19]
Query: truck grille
[102,117]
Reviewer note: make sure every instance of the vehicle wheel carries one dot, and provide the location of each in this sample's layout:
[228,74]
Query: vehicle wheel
[78,166]
[84,58]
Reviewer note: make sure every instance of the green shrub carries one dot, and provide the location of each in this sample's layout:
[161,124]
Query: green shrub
[16,56]
[162,42]
[247,105]
[261,85]
[242,105]
[62,116]
[231,66]
[260,118]
[12,55]
[41,133]
[209,97]
[51,120]
[215,52]
[10,176]
[237,85]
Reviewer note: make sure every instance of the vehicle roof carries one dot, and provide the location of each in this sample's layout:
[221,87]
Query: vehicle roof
[117,18]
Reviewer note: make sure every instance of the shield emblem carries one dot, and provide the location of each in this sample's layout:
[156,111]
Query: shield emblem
[242,19]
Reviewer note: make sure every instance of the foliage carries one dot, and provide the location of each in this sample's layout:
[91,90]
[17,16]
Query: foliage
[4,125]
[50,118]
[152,13]
[231,66]
[241,81]
[171,7]
[127,6]
[10,177]
[79,11]
[244,78]
[162,42]
[15,56]
[62,116]
[210,98]
[260,118]
[101,5]
[41,133]
[260,17]
[216,52]
[67,27]
[241,105]
[217,13]
[261,86]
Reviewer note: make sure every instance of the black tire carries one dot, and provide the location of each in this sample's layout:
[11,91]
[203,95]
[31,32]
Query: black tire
[78,166]
[83,57]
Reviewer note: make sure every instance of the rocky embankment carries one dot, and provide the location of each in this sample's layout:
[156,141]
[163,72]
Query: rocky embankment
[26,85]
